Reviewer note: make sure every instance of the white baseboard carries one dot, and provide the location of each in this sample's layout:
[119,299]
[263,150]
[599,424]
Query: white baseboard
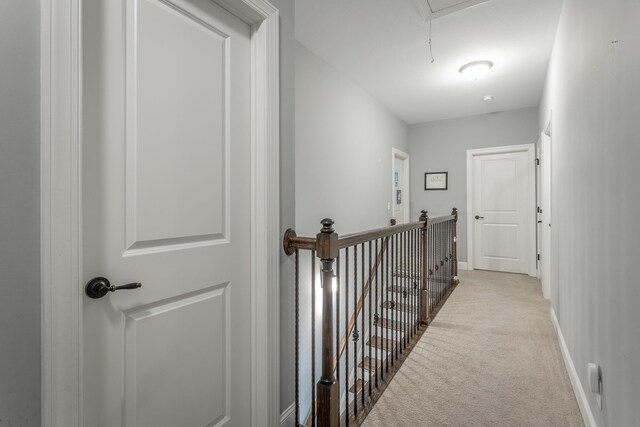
[462,265]
[287,418]
[581,397]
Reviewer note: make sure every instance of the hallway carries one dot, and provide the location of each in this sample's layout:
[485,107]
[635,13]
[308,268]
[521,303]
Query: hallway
[490,358]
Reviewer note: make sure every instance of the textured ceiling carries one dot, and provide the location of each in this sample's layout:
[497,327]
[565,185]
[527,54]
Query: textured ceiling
[381,45]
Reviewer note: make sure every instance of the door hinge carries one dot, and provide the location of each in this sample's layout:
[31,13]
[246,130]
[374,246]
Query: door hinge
[537,162]
[538,257]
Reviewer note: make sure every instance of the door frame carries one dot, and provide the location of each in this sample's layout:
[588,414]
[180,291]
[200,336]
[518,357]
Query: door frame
[61,209]
[399,154]
[530,149]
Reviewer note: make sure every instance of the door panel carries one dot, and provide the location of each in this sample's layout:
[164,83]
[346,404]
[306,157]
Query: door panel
[166,187]
[177,78]
[160,385]
[501,233]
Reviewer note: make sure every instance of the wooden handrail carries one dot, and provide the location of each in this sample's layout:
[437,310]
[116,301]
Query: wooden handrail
[293,241]
[439,219]
[378,233]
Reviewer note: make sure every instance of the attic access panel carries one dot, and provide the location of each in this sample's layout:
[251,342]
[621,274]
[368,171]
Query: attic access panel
[430,9]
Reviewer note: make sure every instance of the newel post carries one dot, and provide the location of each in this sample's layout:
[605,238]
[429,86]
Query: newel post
[424,270]
[328,388]
[454,212]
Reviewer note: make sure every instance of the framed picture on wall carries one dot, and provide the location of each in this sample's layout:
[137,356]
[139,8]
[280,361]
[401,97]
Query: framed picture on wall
[436,180]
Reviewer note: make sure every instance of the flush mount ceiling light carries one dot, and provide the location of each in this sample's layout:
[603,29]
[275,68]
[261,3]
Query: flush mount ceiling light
[475,70]
[487,98]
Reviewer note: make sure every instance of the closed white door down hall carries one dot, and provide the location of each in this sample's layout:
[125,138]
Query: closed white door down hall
[502,209]
[400,186]
[166,203]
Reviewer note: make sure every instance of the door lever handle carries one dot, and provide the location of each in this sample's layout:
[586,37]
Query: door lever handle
[479,217]
[100,286]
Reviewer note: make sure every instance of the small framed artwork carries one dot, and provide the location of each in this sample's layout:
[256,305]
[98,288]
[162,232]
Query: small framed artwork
[435,180]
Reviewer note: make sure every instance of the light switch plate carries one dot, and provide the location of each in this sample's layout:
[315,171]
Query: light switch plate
[595,382]
[594,378]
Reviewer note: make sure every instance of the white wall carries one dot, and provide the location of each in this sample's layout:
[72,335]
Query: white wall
[593,91]
[20,213]
[441,146]
[343,150]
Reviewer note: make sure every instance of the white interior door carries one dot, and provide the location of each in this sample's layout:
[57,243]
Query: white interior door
[400,186]
[166,202]
[502,194]
[545,255]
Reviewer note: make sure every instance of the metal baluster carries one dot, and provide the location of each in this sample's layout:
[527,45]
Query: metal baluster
[346,344]
[448,240]
[438,283]
[356,335]
[415,282]
[376,318]
[407,281]
[405,256]
[439,243]
[404,289]
[409,286]
[370,316]
[416,307]
[313,338]
[409,308]
[337,329]
[416,279]
[454,262]
[412,283]
[445,255]
[420,277]
[297,333]
[363,325]
[432,236]
[451,256]
[386,308]
[445,245]
[383,330]
[399,295]
[391,302]
[394,297]
[445,242]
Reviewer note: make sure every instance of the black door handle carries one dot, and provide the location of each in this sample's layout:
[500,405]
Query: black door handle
[100,286]
[479,217]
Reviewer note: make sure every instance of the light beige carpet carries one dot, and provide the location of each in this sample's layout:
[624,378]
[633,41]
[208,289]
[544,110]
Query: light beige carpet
[490,358]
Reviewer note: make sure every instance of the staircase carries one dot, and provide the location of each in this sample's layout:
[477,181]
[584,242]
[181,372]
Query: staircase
[391,335]
[388,284]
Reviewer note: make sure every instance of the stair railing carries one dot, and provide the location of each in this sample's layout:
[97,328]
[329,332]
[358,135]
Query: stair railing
[393,282]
